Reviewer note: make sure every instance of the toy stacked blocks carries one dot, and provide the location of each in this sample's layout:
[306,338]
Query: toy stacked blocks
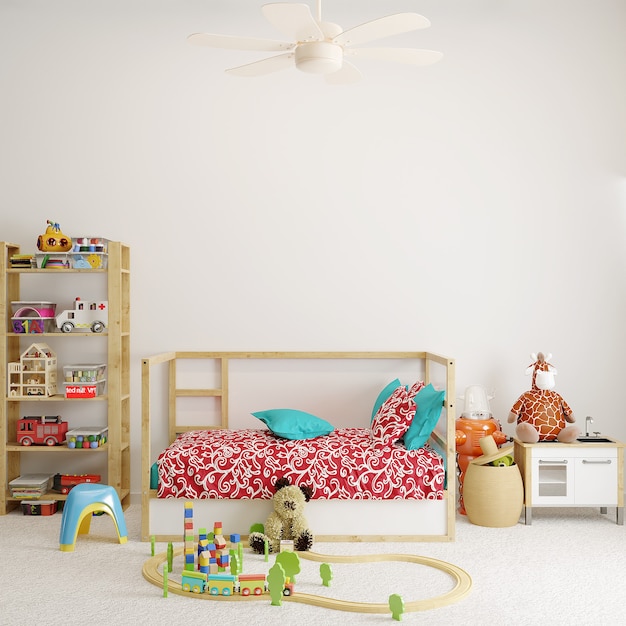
[189,537]
[222,556]
[216,553]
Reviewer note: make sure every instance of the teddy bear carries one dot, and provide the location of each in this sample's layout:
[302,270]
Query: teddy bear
[286,521]
[541,413]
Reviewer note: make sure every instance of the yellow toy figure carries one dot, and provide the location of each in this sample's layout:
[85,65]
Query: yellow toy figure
[53,240]
[541,413]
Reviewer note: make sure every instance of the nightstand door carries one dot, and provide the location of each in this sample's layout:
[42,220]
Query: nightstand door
[552,477]
[596,477]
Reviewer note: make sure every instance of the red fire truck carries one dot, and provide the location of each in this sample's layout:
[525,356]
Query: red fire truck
[47,430]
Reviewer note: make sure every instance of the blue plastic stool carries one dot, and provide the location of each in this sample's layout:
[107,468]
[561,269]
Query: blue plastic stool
[82,502]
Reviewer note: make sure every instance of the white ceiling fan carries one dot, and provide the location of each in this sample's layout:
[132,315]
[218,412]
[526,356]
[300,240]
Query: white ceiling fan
[319,47]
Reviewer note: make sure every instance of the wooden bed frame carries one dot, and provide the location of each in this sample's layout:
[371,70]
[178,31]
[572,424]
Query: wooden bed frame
[214,379]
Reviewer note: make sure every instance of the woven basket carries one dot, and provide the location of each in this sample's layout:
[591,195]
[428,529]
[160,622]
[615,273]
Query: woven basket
[493,496]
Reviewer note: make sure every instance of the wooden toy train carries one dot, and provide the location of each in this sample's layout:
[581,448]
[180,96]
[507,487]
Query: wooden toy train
[228,584]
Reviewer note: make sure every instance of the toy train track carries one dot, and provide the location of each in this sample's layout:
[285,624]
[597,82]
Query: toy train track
[153,574]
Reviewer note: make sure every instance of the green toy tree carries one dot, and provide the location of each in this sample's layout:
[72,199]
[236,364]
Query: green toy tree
[326,573]
[276,583]
[234,565]
[290,562]
[170,556]
[396,606]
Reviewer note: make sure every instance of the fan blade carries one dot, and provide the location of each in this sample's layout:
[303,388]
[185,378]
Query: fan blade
[346,75]
[293,20]
[266,66]
[238,43]
[412,56]
[382,27]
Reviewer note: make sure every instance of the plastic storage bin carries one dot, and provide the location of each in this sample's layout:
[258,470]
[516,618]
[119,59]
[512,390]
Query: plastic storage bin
[41,507]
[90,437]
[84,373]
[33,317]
[89,253]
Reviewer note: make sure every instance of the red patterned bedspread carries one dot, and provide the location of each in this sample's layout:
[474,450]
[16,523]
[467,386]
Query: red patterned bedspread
[245,464]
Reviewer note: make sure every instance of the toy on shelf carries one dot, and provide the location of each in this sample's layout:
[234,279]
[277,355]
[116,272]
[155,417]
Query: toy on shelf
[53,261]
[35,374]
[86,438]
[84,372]
[84,380]
[286,521]
[97,245]
[89,253]
[48,430]
[475,422]
[85,317]
[541,413]
[53,240]
[64,483]
[33,317]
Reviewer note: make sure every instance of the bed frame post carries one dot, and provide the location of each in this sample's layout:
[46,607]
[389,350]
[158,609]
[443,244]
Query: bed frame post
[146,461]
[146,454]
[451,446]
[225,396]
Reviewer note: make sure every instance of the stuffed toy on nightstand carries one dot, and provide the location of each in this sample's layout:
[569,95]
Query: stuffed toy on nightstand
[286,521]
[541,413]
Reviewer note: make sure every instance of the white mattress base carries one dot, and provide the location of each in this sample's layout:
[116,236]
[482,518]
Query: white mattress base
[338,520]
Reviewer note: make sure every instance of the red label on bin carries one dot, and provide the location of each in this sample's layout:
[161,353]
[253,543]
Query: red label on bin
[80,391]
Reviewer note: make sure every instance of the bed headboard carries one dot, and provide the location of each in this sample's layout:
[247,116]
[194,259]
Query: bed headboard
[230,385]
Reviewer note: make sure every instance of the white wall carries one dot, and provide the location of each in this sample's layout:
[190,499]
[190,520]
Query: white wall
[475,207]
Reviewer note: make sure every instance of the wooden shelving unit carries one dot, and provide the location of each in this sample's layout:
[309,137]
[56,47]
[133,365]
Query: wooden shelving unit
[115,453]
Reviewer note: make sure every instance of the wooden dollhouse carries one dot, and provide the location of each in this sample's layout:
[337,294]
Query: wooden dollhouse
[35,374]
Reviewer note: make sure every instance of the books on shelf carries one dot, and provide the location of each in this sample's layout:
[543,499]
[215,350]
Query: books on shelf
[23,260]
[30,486]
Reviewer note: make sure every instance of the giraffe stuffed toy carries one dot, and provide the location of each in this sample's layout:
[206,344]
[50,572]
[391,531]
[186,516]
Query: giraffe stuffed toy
[541,413]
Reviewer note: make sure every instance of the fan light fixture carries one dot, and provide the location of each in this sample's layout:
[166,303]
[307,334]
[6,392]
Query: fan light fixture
[318,47]
[319,57]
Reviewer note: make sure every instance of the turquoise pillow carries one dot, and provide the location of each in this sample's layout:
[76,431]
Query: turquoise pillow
[384,395]
[429,404]
[294,424]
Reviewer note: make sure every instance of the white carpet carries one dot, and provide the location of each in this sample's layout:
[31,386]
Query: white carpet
[568,567]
